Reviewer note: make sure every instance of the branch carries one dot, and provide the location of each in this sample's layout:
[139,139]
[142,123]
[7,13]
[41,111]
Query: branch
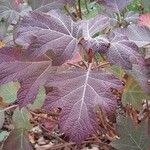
[69,13]
[79,9]
[8,108]
[86,5]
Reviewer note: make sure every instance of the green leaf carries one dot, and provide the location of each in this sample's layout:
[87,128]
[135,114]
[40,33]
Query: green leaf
[146,4]
[9,91]
[93,9]
[131,138]
[117,71]
[21,119]
[133,94]
[134,5]
[39,99]
[2,118]
[17,140]
[3,135]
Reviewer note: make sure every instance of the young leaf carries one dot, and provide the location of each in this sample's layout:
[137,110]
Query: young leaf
[31,74]
[17,140]
[90,28]
[77,93]
[54,32]
[123,52]
[98,44]
[130,137]
[94,25]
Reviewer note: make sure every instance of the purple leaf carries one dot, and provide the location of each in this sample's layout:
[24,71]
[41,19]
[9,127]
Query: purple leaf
[99,44]
[131,17]
[137,34]
[18,140]
[94,25]
[77,93]
[55,33]
[31,74]
[141,74]
[90,28]
[123,52]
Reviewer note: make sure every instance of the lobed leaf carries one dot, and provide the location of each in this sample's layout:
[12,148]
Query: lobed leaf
[141,74]
[77,93]
[133,94]
[90,28]
[55,33]
[94,25]
[99,44]
[131,137]
[123,52]
[138,34]
[131,17]
[31,74]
